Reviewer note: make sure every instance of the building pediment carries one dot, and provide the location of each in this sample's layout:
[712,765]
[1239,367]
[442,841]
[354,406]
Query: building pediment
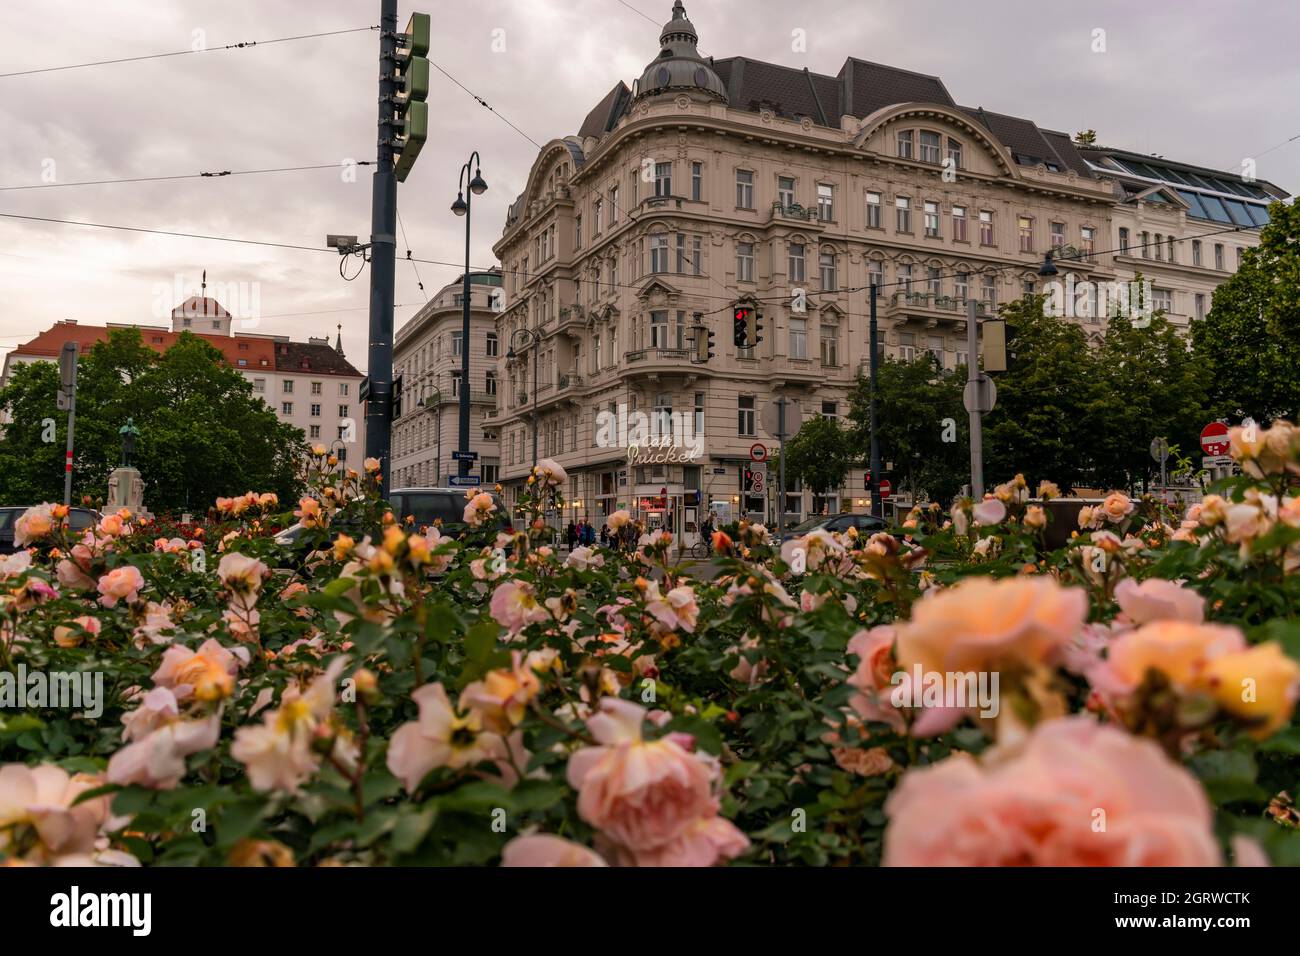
[981,153]
[657,290]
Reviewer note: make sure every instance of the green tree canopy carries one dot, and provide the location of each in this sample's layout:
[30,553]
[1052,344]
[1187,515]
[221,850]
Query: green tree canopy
[1249,343]
[202,433]
[819,455]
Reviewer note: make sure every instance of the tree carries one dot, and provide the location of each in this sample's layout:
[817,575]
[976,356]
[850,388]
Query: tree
[1039,425]
[1145,385]
[819,455]
[922,425]
[1087,137]
[1248,346]
[202,433]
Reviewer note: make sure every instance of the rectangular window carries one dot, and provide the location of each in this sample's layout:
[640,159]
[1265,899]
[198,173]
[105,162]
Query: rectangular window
[343,388]
[597,209]
[315,388]
[699,413]
[933,283]
[286,408]
[314,431]
[905,144]
[1146,245]
[287,386]
[455,345]
[961,286]
[907,346]
[1200,306]
[830,344]
[934,345]
[1025,229]
[681,253]
[659,330]
[1162,299]
[577,232]
[825,202]
[1088,241]
[744,189]
[744,262]
[905,276]
[959,223]
[990,293]
[659,253]
[315,410]
[903,211]
[1123,240]
[259,385]
[697,181]
[745,415]
[343,411]
[455,383]
[1160,247]
[697,256]
[954,153]
[873,211]
[932,220]
[785,191]
[1058,235]
[986,227]
[826,263]
[1196,252]
[613,210]
[875,273]
[931,146]
[663,179]
[796,267]
[490,383]
[493,344]
[798,338]
[1171,246]
[1218,256]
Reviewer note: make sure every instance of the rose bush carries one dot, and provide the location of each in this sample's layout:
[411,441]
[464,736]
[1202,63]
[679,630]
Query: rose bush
[399,696]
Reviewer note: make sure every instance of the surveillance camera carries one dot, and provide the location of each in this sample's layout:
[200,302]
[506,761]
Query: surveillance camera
[341,243]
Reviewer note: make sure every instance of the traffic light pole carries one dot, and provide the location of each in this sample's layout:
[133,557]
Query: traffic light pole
[976,415]
[383,251]
[69,374]
[876,507]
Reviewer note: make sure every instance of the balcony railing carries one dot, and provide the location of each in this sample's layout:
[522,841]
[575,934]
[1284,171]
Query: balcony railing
[942,303]
[656,354]
[794,211]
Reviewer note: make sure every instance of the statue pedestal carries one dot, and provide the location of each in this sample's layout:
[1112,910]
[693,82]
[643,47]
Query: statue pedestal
[125,490]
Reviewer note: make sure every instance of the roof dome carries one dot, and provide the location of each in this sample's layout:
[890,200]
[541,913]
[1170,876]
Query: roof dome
[679,65]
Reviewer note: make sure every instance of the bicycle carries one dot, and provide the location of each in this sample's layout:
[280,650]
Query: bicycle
[701,549]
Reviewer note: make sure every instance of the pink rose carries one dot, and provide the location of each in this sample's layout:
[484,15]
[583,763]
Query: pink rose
[122,583]
[1156,599]
[1074,793]
[514,606]
[873,677]
[542,849]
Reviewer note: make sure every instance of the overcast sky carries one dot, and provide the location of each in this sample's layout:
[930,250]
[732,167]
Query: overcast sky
[1200,81]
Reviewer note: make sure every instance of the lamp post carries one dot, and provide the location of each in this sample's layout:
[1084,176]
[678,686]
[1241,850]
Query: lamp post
[461,207]
[532,340]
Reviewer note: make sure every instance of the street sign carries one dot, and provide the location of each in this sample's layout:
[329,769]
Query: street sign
[793,419]
[1216,461]
[758,452]
[980,395]
[886,489]
[1159,449]
[719,471]
[464,456]
[1214,438]
[470,480]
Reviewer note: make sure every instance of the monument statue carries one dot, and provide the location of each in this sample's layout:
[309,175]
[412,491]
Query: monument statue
[128,433]
[125,487]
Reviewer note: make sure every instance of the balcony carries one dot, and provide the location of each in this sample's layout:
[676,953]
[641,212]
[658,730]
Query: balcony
[573,321]
[654,362]
[933,310]
[794,213]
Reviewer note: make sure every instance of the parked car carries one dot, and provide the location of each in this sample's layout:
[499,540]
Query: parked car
[79,519]
[866,524]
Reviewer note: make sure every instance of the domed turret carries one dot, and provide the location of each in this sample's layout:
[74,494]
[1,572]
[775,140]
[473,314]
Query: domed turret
[679,66]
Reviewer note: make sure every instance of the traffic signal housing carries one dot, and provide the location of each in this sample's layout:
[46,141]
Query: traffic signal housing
[703,340]
[396,400]
[755,323]
[410,111]
[740,326]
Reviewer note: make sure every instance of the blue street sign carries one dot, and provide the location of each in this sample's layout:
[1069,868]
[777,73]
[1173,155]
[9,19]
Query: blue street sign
[465,480]
[464,456]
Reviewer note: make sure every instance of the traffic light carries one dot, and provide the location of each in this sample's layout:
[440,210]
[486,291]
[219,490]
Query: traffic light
[410,111]
[397,398]
[993,346]
[740,324]
[703,340]
[755,323]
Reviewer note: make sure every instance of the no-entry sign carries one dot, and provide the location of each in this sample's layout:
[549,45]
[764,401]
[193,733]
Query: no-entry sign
[758,452]
[886,489]
[1214,438]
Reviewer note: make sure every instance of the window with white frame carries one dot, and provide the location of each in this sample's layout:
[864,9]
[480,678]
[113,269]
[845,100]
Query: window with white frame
[907,346]
[659,253]
[827,267]
[659,330]
[663,179]
[903,214]
[931,144]
[697,181]
[744,262]
[905,144]
[954,152]
[744,189]
[745,415]
[825,202]
[932,219]
[796,264]
[830,344]
[959,223]
[873,211]
[798,337]
[986,227]
[785,191]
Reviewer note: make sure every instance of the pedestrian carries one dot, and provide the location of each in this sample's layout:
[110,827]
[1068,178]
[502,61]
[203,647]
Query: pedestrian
[570,535]
[604,535]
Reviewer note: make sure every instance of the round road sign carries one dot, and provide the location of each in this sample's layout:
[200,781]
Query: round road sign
[1214,438]
[758,452]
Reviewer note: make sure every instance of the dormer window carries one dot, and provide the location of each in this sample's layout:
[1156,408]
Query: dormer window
[905,144]
[930,146]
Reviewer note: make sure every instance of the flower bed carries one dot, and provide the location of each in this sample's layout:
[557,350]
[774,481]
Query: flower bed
[954,693]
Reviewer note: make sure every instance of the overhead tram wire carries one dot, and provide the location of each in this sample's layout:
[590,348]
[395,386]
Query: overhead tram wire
[180,176]
[414,267]
[242,45]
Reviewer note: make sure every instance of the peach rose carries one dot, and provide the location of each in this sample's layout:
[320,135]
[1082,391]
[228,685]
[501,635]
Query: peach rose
[33,524]
[514,605]
[208,673]
[1177,649]
[1074,793]
[1156,599]
[543,849]
[1115,508]
[980,623]
[42,798]
[122,583]
[643,795]
[875,671]
[1258,685]
[439,737]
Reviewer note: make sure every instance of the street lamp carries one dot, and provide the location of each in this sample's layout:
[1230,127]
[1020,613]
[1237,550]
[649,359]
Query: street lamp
[461,207]
[1048,268]
[532,340]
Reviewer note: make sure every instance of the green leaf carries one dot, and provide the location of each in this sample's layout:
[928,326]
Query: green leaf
[412,827]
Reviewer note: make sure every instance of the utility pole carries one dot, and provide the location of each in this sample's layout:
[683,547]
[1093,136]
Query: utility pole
[979,398]
[383,251]
[877,509]
[68,399]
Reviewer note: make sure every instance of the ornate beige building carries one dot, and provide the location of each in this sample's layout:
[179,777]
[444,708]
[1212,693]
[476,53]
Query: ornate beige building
[427,357]
[712,183]
[1184,227]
